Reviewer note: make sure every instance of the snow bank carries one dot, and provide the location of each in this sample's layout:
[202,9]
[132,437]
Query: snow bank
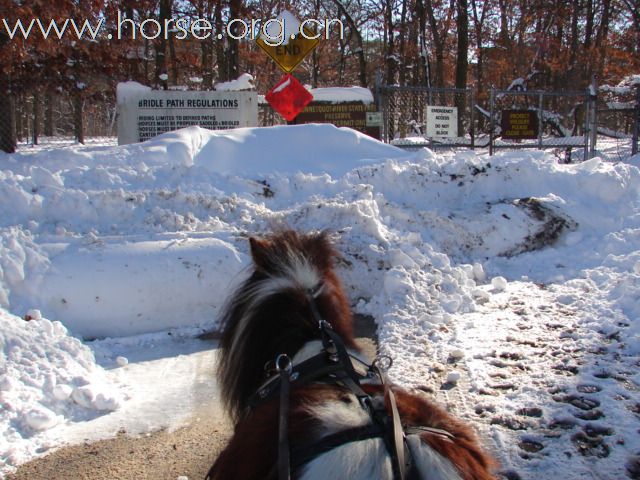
[46,378]
[449,254]
[125,289]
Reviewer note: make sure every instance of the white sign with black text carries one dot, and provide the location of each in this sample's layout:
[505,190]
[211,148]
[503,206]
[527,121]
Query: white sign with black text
[442,122]
[151,113]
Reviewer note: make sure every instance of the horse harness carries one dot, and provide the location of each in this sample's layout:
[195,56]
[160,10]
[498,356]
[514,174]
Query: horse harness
[335,365]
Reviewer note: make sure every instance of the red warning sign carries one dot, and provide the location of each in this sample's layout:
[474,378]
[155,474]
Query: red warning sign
[288,97]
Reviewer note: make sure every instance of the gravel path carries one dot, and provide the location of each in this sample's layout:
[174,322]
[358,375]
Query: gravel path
[162,455]
[189,452]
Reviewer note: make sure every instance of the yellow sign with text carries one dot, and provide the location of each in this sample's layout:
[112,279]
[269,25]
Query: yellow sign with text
[288,56]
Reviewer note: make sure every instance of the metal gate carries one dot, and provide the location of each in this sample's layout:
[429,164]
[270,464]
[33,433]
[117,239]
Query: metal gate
[565,120]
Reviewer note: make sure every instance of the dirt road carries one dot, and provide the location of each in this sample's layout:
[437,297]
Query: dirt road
[188,452]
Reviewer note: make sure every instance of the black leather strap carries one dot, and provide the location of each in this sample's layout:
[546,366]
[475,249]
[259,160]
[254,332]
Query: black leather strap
[283,427]
[302,455]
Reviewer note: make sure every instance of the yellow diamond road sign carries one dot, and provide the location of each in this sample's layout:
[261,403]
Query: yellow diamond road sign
[288,56]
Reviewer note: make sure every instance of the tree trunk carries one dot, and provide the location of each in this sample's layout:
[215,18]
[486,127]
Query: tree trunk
[48,114]
[174,61]
[233,55]
[422,35]
[17,118]
[134,61]
[7,124]
[603,34]
[161,46]
[438,42]
[206,50]
[7,116]
[220,51]
[36,117]
[315,67]
[390,50]
[78,124]
[462,63]
[573,48]
[588,31]
[355,33]
[402,37]
[504,25]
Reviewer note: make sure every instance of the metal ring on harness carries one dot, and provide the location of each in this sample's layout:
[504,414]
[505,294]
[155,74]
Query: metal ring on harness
[283,363]
[382,363]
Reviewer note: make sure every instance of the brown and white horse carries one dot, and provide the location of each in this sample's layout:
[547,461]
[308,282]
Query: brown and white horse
[271,314]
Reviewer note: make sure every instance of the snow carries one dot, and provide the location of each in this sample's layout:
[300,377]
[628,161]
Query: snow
[342,94]
[243,82]
[46,377]
[507,285]
[125,91]
[519,84]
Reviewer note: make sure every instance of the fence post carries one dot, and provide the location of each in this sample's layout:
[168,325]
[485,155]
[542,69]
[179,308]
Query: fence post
[585,127]
[636,129]
[540,120]
[473,118]
[491,122]
[593,110]
[377,90]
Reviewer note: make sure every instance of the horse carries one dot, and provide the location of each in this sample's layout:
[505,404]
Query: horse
[292,311]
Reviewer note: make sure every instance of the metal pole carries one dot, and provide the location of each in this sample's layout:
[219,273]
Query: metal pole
[491,123]
[378,89]
[540,120]
[585,127]
[473,117]
[593,128]
[636,130]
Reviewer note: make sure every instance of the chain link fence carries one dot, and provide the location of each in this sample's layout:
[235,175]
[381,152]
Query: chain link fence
[268,117]
[413,117]
[417,116]
[618,116]
[542,120]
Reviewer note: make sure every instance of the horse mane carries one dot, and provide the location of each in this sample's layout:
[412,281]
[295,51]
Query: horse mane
[270,312]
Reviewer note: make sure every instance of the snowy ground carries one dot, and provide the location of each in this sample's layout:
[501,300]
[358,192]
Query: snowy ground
[507,285]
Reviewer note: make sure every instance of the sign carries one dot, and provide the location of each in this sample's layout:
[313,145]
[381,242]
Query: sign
[288,97]
[519,124]
[442,122]
[374,119]
[356,115]
[293,48]
[147,114]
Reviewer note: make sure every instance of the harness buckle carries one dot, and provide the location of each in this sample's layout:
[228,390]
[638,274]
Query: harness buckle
[283,364]
[332,352]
